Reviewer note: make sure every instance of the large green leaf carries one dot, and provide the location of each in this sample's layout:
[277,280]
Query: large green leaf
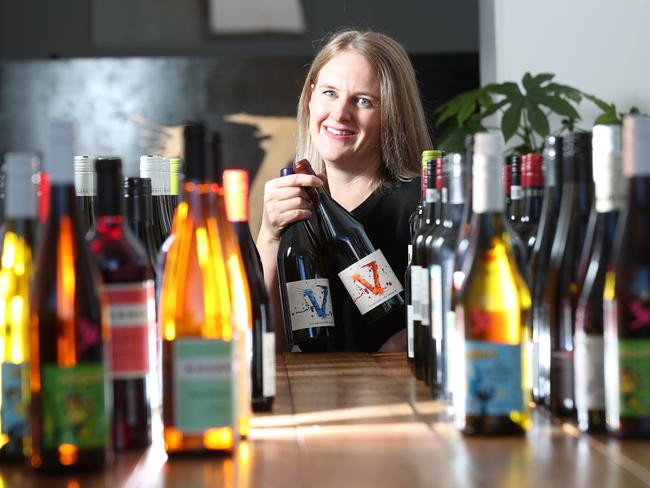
[511,120]
[537,119]
[509,89]
[557,105]
[566,90]
[492,109]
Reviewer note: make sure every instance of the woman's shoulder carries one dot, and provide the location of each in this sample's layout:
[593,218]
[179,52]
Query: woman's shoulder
[394,198]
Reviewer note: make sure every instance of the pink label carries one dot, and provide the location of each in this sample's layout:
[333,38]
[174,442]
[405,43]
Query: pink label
[131,310]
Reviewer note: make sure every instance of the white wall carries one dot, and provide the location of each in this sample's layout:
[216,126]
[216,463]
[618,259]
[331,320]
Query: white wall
[598,46]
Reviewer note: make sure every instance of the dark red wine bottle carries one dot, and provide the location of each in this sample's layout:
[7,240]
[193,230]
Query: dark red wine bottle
[71,396]
[538,265]
[235,185]
[137,196]
[128,290]
[532,183]
[561,291]
[305,288]
[363,270]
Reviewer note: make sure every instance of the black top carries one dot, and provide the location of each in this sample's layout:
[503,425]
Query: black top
[385,218]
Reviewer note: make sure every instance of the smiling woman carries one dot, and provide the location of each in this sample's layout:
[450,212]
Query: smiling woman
[362,126]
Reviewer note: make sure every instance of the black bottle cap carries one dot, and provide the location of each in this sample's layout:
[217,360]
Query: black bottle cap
[196,167]
[552,161]
[216,147]
[109,185]
[286,171]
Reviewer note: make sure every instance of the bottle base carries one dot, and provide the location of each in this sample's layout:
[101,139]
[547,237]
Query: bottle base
[492,426]
[633,428]
[262,404]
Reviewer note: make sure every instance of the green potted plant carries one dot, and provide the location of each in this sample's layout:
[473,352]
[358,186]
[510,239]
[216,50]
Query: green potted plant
[524,113]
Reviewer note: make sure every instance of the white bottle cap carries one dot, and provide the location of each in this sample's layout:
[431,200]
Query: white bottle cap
[61,152]
[608,168]
[20,193]
[157,169]
[636,145]
[488,184]
[85,179]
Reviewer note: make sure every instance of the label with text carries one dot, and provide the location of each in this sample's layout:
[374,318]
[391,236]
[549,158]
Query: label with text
[310,304]
[589,365]
[268,364]
[370,281]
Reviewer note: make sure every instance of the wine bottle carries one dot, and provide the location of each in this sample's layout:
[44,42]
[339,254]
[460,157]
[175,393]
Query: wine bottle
[200,384]
[532,184]
[175,180]
[441,252]
[240,296]
[516,190]
[538,266]
[235,184]
[137,197]
[420,273]
[507,178]
[441,189]
[152,167]
[415,219]
[305,287]
[491,396]
[561,291]
[15,275]
[129,297]
[85,183]
[69,341]
[410,339]
[363,270]
[589,355]
[626,296]
[466,226]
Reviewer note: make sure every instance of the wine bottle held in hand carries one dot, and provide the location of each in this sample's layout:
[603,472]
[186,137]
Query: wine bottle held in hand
[364,271]
[491,387]
[129,296]
[235,184]
[305,287]
[69,340]
[17,252]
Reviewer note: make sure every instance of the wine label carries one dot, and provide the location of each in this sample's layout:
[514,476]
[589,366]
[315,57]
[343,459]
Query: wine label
[73,401]
[132,311]
[562,377]
[310,304]
[14,406]
[416,288]
[516,192]
[493,378]
[435,274]
[589,365]
[268,364]
[432,195]
[634,377]
[204,389]
[370,281]
[409,331]
[425,298]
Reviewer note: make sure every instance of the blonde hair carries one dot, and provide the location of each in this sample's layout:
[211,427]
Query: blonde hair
[404,133]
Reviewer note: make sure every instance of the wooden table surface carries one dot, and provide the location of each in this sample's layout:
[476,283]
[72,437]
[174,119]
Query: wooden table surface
[356,420]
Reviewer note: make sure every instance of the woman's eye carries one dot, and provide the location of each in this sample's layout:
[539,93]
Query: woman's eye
[364,102]
[329,93]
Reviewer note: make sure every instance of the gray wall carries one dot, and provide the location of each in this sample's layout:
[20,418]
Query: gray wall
[91,28]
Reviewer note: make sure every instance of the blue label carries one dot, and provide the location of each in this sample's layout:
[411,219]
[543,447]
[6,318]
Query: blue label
[310,304]
[494,384]
[14,406]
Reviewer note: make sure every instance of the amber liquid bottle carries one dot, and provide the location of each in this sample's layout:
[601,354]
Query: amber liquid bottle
[16,268]
[491,390]
[69,340]
[129,297]
[200,384]
[627,295]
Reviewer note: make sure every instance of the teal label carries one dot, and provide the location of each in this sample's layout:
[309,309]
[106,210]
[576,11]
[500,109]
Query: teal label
[634,379]
[494,384]
[74,409]
[203,385]
[14,403]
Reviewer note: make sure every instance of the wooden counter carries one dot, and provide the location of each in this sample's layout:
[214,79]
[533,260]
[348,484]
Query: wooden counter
[362,420]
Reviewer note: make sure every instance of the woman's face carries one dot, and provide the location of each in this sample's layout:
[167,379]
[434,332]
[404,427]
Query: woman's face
[344,112]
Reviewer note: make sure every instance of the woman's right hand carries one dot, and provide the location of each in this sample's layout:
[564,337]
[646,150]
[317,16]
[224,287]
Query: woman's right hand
[286,202]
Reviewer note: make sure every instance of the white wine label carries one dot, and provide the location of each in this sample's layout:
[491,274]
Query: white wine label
[268,364]
[370,281]
[435,282]
[425,298]
[432,195]
[409,331]
[310,304]
[132,312]
[516,192]
[416,287]
[203,384]
[589,364]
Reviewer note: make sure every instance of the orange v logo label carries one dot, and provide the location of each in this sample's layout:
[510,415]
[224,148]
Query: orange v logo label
[374,288]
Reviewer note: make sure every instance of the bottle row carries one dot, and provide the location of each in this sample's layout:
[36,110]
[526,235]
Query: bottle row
[91,347]
[538,292]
